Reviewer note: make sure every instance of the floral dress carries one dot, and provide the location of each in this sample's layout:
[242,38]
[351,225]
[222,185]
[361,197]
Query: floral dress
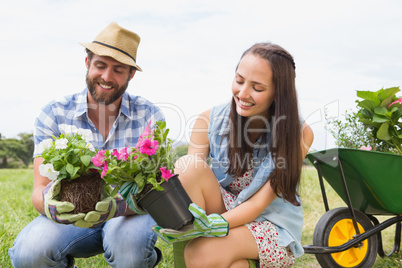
[270,254]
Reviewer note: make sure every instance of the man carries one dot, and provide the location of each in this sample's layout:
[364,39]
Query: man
[116,120]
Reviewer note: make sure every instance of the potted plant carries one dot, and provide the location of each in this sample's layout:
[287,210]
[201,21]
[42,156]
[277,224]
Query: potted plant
[375,126]
[149,165]
[68,158]
[381,112]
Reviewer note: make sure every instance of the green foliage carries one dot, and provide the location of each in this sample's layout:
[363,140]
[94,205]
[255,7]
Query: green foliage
[69,156]
[17,211]
[350,132]
[26,140]
[377,123]
[143,163]
[16,153]
[381,111]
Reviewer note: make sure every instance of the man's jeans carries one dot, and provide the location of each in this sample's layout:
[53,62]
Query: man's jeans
[125,242]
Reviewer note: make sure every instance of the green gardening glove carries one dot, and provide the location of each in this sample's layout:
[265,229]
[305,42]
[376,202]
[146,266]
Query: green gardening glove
[213,225]
[55,209]
[127,191]
[105,210]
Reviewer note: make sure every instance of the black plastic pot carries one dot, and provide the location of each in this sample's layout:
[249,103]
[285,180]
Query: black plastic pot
[169,208]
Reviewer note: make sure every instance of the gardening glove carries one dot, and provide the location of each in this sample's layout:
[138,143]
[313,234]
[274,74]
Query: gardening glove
[57,210]
[128,190]
[105,210]
[213,225]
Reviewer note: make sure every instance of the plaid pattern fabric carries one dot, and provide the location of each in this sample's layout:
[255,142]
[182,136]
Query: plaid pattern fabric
[134,115]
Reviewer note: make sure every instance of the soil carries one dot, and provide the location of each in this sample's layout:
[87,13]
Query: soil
[83,192]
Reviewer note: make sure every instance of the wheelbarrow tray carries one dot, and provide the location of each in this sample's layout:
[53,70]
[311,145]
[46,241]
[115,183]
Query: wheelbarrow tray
[373,179]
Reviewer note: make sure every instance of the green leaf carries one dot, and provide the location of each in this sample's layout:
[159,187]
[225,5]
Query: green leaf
[384,94]
[364,113]
[379,119]
[70,169]
[367,104]
[383,133]
[385,103]
[380,110]
[86,160]
[75,175]
[139,180]
[369,95]
[56,158]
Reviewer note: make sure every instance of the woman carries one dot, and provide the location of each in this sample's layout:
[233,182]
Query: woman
[256,146]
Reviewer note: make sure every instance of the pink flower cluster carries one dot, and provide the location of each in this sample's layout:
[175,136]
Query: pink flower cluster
[146,145]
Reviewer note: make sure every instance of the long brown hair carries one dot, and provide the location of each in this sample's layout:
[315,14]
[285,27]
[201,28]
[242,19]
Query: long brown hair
[285,126]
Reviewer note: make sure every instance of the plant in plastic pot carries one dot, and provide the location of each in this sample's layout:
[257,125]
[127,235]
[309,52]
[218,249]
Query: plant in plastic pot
[144,176]
[67,159]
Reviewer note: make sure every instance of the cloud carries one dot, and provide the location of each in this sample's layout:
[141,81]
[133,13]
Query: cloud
[189,50]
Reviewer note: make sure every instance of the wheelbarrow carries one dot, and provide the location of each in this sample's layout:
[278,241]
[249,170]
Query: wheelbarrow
[370,183]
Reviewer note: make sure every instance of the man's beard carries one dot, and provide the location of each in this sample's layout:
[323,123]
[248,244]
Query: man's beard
[104,98]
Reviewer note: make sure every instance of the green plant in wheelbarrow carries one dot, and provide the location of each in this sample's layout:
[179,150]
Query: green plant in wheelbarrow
[381,111]
[144,176]
[77,195]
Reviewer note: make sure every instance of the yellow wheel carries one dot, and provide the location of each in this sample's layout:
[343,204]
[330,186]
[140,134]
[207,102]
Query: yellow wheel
[335,228]
[341,233]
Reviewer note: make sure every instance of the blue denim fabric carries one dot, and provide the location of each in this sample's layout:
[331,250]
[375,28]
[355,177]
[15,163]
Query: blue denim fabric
[125,241]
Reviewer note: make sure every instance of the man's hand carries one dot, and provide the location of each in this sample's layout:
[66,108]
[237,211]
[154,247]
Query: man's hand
[105,210]
[57,210]
[127,191]
[213,225]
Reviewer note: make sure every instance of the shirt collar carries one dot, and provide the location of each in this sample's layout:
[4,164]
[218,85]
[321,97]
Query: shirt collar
[82,104]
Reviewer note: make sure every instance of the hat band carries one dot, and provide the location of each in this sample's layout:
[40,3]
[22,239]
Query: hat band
[115,48]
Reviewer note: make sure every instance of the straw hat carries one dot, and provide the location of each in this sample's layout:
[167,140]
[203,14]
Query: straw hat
[116,42]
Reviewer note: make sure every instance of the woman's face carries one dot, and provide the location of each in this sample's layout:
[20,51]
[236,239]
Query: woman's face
[253,89]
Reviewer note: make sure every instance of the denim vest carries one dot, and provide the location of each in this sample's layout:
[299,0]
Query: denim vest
[287,218]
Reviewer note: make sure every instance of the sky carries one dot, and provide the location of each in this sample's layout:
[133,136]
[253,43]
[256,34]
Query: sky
[189,51]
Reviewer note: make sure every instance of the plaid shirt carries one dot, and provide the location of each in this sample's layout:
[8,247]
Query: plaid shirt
[134,115]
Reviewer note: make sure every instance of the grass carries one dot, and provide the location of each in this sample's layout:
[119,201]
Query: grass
[17,211]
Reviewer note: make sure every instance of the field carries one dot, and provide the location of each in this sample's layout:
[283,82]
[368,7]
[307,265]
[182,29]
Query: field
[17,211]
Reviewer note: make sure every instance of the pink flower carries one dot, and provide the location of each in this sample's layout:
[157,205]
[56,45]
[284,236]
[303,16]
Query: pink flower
[149,147]
[166,173]
[397,101]
[115,153]
[104,171]
[123,155]
[366,148]
[99,159]
[147,131]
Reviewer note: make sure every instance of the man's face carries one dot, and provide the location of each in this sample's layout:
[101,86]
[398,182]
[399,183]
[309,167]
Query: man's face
[107,79]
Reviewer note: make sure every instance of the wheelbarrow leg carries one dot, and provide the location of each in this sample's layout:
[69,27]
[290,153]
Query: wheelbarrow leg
[397,241]
[321,180]
[348,201]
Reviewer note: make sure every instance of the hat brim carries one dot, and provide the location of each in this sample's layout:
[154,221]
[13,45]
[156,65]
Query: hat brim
[109,52]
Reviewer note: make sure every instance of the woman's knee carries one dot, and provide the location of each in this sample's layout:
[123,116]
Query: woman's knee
[190,164]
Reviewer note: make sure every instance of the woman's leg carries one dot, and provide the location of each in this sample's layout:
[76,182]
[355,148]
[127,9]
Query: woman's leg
[200,183]
[44,243]
[230,251]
